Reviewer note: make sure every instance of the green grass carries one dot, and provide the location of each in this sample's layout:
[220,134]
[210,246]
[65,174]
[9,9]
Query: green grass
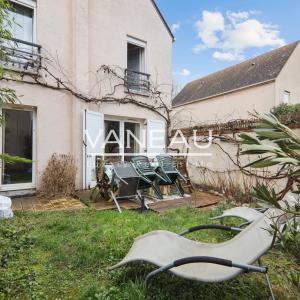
[65,255]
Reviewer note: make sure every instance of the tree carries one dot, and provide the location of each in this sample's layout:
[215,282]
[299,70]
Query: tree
[279,146]
[7,95]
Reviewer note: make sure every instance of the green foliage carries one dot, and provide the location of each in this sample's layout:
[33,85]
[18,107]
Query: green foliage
[7,95]
[5,22]
[9,159]
[16,272]
[285,109]
[280,146]
[69,256]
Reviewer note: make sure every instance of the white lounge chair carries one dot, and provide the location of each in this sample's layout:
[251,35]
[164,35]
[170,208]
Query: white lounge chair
[251,214]
[202,261]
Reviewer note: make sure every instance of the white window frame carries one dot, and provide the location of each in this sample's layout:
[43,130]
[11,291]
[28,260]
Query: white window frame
[29,185]
[32,5]
[141,44]
[121,133]
[288,95]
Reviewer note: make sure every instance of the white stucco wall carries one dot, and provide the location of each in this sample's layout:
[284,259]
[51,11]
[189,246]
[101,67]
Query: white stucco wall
[235,105]
[289,79]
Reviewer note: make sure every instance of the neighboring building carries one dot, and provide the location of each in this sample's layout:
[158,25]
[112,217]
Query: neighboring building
[260,84]
[81,36]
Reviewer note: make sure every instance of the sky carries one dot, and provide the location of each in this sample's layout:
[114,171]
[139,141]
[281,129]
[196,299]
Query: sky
[214,34]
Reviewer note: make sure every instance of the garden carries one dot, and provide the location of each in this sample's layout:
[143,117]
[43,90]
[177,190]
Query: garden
[66,255]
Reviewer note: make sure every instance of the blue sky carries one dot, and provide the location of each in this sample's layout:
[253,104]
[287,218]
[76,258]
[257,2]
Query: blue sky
[214,34]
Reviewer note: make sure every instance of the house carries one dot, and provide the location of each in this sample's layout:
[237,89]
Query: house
[83,68]
[260,84]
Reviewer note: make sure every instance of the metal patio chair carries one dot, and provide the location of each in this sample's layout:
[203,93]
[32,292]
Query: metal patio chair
[125,183]
[206,262]
[168,170]
[150,178]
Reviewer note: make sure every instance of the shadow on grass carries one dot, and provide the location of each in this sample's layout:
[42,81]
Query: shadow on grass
[128,283]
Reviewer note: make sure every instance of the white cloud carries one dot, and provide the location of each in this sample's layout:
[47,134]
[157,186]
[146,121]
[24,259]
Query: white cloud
[175,27]
[232,34]
[229,56]
[237,16]
[211,23]
[184,72]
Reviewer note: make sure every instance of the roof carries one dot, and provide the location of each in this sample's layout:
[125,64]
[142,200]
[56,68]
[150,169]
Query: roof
[163,19]
[258,70]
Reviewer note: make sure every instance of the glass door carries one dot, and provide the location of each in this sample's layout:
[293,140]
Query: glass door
[17,140]
[131,138]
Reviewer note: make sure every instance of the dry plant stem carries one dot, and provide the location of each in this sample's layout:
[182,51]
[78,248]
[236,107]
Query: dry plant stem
[115,76]
[58,179]
[224,181]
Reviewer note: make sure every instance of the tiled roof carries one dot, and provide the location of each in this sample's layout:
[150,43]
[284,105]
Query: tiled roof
[254,71]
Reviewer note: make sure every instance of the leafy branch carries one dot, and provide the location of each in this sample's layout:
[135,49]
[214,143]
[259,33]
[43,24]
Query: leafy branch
[279,146]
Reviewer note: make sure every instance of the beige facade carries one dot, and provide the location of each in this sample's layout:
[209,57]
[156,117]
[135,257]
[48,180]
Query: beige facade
[78,37]
[289,79]
[213,166]
[235,105]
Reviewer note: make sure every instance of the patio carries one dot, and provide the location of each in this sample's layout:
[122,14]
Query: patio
[35,204]
[195,200]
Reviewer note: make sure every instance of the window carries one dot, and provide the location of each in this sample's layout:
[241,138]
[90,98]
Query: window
[286,97]
[135,58]
[17,140]
[112,138]
[131,130]
[22,26]
[137,79]
[22,53]
[121,140]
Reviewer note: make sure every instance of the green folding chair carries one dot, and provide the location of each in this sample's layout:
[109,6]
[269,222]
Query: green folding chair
[168,170]
[124,184]
[149,178]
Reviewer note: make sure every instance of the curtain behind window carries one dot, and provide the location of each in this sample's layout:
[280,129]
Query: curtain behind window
[22,22]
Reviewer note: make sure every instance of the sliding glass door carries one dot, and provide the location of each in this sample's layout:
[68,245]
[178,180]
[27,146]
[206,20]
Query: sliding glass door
[17,140]
[121,140]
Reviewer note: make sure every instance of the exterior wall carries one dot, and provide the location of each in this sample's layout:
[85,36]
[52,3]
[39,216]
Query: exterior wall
[236,105]
[54,122]
[138,19]
[81,37]
[218,172]
[289,79]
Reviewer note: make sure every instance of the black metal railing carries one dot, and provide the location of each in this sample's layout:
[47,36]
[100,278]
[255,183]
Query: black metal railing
[137,82]
[20,55]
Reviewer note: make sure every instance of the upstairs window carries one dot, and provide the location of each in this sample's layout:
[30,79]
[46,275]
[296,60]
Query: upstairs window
[137,79]
[135,58]
[286,97]
[21,53]
[22,17]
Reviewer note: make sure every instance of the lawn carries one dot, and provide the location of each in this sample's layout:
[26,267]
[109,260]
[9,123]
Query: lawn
[65,255]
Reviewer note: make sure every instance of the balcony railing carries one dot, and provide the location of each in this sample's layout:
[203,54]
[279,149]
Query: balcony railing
[20,55]
[137,82]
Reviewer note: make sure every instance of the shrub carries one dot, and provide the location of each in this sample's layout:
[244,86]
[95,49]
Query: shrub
[285,109]
[59,176]
[278,145]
